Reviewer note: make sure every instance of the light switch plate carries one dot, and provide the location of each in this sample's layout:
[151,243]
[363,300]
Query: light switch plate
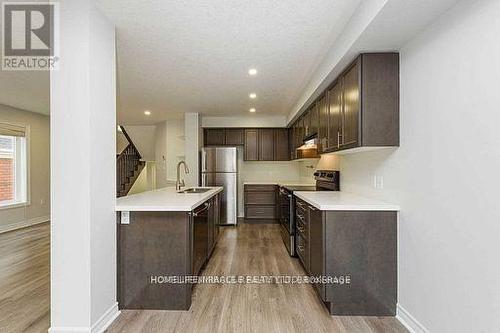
[125,217]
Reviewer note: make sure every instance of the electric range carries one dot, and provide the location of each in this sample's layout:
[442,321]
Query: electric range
[326,180]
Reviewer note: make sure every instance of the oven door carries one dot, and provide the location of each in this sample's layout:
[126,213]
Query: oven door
[284,209]
[286,220]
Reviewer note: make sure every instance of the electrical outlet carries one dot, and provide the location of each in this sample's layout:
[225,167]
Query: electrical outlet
[125,217]
[42,201]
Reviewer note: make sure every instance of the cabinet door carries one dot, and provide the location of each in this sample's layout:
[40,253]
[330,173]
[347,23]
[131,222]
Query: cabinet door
[351,106]
[306,118]
[323,123]
[216,217]
[234,136]
[302,132]
[313,119]
[281,152]
[335,117]
[211,228]
[291,143]
[266,144]
[251,145]
[214,137]
[316,248]
[295,134]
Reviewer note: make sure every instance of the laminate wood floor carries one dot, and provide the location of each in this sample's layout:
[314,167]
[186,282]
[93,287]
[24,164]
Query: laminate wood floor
[25,280]
[251,250]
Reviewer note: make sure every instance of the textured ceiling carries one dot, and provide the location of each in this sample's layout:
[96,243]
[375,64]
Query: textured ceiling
[193,56]
[27,90]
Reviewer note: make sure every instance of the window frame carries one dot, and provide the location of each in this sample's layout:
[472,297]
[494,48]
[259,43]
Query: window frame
[27,197]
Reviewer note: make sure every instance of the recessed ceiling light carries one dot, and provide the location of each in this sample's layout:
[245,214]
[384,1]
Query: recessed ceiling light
[147,113]
[252,110]
[252,95]
[252,71]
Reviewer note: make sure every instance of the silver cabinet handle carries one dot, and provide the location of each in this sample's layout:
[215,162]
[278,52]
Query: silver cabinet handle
[205,207]
[338,139]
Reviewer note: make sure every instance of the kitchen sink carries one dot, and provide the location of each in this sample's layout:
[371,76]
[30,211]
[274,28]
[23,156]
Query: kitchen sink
[195,190]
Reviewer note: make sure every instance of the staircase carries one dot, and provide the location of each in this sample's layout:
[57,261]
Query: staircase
[128,167]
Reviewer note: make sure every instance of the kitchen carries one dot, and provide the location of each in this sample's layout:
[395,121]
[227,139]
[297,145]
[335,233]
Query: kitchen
[346,239]
[287,166]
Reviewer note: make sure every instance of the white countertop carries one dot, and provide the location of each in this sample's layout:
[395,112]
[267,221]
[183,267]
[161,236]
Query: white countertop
[333,200]
[279,183]
[165,199]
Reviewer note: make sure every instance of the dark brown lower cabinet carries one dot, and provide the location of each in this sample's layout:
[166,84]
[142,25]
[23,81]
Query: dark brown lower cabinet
[356,253]
[260,203]
[156,246]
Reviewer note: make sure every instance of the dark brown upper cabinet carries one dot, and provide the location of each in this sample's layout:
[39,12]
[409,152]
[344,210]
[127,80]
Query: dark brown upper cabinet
[351,106]
[314,119]
[235,137]
[266,144]
[323,123]
[306,119]
[334,117]
[251,145]
[361,107]
[215,137]
[302,132]
[281,146]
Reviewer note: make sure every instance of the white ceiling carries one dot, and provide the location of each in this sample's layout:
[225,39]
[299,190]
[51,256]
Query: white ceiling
[27,90]
[193,56]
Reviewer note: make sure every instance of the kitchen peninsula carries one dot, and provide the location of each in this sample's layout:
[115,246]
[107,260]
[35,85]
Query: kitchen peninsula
[164,233]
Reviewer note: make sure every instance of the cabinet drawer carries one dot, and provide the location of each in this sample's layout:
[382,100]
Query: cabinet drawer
[302,229]
[301,207]
[260,212]
[260,188]
[260,198]
[303,251]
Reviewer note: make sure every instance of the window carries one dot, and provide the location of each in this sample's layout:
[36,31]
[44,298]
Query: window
[13,165]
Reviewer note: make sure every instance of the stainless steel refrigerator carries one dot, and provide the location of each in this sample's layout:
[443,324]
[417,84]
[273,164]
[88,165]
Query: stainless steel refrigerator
[219,167]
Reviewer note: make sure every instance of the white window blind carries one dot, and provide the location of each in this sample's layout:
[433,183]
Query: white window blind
[12,130]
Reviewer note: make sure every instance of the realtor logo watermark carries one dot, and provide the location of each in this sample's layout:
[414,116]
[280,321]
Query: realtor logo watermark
[30,36]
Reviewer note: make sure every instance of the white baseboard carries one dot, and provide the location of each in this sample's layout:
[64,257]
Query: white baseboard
[409,321]
[100,325]
[24,224]
[106,319]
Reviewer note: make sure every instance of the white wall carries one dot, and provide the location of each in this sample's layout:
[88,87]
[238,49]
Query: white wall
[192,147]
[175,147]
[161,154]
[169,149]
[445,176]
[143,138]
[249,121]
[146,180]
[38,209]
[282,171]
[83,147]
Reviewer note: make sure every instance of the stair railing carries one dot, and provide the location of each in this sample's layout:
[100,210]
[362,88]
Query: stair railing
[126,164]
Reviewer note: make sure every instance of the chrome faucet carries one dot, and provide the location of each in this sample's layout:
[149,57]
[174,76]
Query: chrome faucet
[180,182]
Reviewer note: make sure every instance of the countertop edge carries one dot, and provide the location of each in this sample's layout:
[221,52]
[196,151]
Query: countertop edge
[157,208]
[350,207]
